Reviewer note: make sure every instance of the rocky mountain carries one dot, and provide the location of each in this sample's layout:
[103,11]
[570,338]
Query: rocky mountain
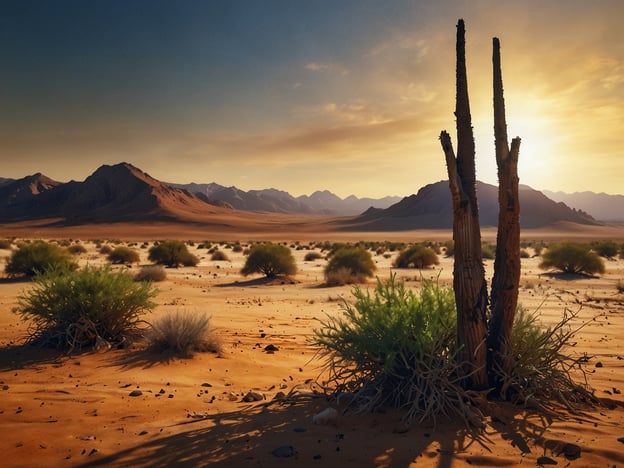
[112,193]
[602,206]
[277,201]
[431,208]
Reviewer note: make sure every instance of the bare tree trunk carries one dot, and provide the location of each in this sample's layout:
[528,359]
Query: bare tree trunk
[506,280]
[471,294]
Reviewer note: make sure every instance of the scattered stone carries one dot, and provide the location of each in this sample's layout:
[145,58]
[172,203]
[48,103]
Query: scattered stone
[571,451]
[285,451]
[134,393]
[271,348]
[232,396]
[5,387]
[599,364]
[87,437]
[142,433]
[162,391]
[205,384]
[279,396]
[202,415]
[621,439]
[170,395]
[325,417]
[93,451]
[254,396]
[546,461]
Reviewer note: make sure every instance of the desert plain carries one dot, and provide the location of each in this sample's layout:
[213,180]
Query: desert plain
[76,410]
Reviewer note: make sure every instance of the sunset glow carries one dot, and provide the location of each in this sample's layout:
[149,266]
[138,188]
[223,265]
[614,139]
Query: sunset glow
[348,96]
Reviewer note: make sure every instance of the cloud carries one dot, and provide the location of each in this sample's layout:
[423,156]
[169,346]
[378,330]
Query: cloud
[326,67]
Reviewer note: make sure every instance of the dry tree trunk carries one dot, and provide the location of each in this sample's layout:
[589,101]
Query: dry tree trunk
[506,280]
[471,294]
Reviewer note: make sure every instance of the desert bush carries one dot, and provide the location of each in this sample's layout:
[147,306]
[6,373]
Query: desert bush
[395,348]
[5,244]
[416,256]
[151,273]
[349,265]
[76,309]
[270,260]
[237,248]
[449,248]
[488,251]
[76,249]
[184,332]
[123,255]
[172,253]
[607,249]
[544,371]
[572,257]
[311,256]
[37,256]
[619,286]
[524,253]
[220,256]
[106,249]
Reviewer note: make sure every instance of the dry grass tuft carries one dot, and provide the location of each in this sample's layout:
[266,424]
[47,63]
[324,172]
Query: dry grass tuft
[184,332]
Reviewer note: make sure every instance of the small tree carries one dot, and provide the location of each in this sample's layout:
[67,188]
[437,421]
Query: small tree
[349,265]
[270,260]
[416,256]
[607,249]
[172,253]
[37,256]
[123,255]
[572,257]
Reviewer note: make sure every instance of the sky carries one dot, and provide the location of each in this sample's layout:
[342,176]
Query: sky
[304,95]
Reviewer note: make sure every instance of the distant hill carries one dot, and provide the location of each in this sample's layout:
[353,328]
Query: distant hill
[602,206]
[19,197]
[277,201]
[431,208]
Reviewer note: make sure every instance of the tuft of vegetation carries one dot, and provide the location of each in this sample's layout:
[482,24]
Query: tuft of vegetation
[572,257]
[449,248]
[172,253]
[151,273]
[106,249]
[312,256]
[416,256]
[219,256]
[5,244]
[77,309]
[349,265]
[184,332]
[488,251]
[37,256]
[395,348]
[123,255]
[270,260]
[543,367]
[77,249]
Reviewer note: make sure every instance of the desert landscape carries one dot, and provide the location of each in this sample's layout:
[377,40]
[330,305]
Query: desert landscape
[77,409]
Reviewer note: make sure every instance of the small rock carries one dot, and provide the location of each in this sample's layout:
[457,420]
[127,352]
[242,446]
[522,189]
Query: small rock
[279,396]
[271,348]
[599,364]
[142,433]
[93,451]
[621,439]
[205,384]
[546,461]
[87,437]
[232,396]
[325,417]
[135,393]
[254,396]
[571,451]
[285,451]
[5,387]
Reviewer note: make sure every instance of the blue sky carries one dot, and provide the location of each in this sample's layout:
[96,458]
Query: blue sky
[299,95]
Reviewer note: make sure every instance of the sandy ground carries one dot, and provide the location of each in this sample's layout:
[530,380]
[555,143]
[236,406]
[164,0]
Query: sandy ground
[58,410]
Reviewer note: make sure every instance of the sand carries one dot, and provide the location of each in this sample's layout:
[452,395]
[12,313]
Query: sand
[59,410]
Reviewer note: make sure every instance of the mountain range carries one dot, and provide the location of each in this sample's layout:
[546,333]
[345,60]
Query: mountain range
[123,192]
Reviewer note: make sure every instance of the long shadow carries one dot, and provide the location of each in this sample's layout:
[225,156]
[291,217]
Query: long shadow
[146,358]
[264,281]
[249,437]
[568,276]
[15,357]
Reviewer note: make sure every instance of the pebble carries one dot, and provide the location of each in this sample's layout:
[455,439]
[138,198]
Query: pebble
[571,451]
[135,393]
[271,348]
[325,417]
[254,396]
[285,451]
[546,461]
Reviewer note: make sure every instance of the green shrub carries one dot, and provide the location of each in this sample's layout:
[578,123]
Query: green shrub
[524,253]
[183,332]
[488,251]
[572,257]
[151,273]
[37,256]
[219,256]
[172,253]
[449,248]
[76,309]
[270,260]
[395,348]
[349,265]
[123,255]
[106,249]
[416,256]
[5,244]
[607,249]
